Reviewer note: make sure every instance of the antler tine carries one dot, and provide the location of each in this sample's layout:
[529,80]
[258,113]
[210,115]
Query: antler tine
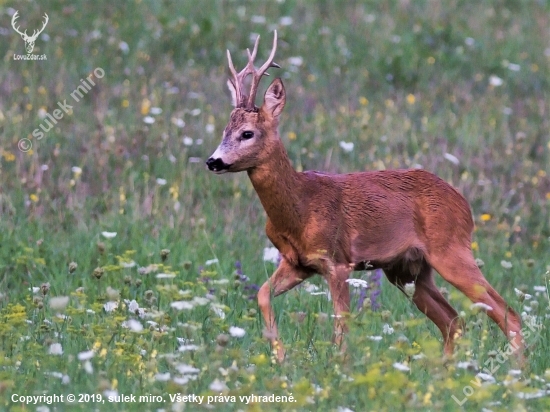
[261,71]
[13,22]
[236,82]
[252,56]
[269,61]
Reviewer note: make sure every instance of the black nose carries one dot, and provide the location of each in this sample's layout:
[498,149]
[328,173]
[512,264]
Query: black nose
[216,164]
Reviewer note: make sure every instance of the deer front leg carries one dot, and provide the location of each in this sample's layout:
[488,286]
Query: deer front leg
[283,279]
[339,291]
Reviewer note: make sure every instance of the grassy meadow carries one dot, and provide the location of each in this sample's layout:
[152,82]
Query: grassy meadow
[126,268]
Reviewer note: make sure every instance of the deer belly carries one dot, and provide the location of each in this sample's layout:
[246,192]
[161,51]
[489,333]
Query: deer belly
[381,249]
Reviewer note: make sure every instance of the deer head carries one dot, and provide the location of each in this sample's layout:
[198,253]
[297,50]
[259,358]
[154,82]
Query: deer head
[29,40]
[251,131]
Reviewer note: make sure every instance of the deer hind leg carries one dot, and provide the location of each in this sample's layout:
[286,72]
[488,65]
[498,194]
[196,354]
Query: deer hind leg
[460,270]
[339,292]
[429,300]
[283,279]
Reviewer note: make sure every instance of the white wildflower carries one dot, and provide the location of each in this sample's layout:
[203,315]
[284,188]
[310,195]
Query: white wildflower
[86,355]
[296,61]
[162,377]
[55,349]
[481,305]
[182,380]
[495,81]
[401,367]
[451,158]
[210,128]
[409,289]
[522,296]
[108,235]
[486,377]
[218,310]
[59,302]
[181,305]
[133,325]
[187,141]
[257,19]
[387,329]
[110,306]
[357,283]
[76,170]
[199,300]
[88,367]
[149,120]
[285,21]
[466,365]
[271,254]
[110,393]
[210,262]
[178,122]
[161,181]
[155,110]
[532,395]
[347,146]
[237,332]
[223,281]
[218,386]
[310,287]
[186,369]
[375,338]
[165,275]
[123,46]
[505,264]
[185,348]
[133,306]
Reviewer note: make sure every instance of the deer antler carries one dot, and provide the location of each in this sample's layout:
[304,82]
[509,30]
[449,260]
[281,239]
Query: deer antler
[35,33]
[13,20]
[238,78]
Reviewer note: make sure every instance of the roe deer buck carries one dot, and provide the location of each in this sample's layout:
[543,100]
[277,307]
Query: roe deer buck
[406,222]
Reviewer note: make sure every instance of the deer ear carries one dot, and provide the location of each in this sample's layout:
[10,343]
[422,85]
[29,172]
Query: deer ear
[275,98]
[233,91]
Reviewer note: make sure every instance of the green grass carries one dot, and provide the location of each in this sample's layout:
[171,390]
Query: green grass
[406,82]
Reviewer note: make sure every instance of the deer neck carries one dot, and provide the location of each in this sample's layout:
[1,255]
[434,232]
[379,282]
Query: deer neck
[278,186]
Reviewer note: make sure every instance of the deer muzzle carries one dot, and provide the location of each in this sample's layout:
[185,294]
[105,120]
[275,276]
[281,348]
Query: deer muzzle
[217,165]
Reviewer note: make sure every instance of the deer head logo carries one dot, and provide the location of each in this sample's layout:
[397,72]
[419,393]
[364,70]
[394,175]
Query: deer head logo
[29,40]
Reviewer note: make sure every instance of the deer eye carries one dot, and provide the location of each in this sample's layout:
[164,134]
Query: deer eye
[247,135]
